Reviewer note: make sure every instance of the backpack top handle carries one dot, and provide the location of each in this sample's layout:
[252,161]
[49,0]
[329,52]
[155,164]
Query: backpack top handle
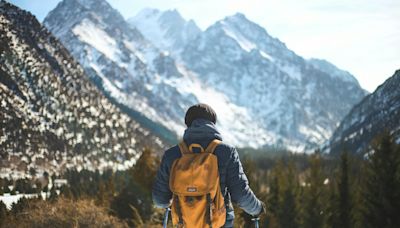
[195,145]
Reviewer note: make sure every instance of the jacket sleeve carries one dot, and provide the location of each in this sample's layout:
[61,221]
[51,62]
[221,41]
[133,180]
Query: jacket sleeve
[161,193]
[239,188]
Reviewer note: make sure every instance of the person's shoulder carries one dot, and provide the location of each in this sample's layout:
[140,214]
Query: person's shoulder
[172,153]
[172,149]
[226,146]
[225,149]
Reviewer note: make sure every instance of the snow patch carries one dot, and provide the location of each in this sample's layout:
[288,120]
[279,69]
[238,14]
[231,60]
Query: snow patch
[245,126]
[244,43]
[91,34]
[267,56]
[8,199]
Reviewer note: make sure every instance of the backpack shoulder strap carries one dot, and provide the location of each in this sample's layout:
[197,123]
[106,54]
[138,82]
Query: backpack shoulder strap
[183,147]
[213,144]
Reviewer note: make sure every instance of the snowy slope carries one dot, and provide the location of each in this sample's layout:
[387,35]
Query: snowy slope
[264,93]
[138,75]
[376,113]
[52,117]
[333,71]
[296,100]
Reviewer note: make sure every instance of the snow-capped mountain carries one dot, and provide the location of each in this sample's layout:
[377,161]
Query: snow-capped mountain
[52,117]
[300,102]
[167,30]
[378,112]
[138,75]
[264,93]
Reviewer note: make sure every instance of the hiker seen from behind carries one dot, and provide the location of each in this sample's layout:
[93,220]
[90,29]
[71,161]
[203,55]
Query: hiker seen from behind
[201,176]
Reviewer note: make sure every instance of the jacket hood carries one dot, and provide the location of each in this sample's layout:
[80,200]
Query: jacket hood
[201,131]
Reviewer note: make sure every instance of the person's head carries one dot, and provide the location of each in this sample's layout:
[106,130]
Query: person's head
[200,111]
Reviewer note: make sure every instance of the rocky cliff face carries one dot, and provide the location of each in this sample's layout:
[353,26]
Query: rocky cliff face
[378,112]
[52,116]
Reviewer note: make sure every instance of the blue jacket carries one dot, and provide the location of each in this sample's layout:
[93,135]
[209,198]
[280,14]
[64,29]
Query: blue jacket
[234,183]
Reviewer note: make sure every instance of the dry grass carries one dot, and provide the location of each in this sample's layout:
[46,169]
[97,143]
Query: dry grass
[64,213]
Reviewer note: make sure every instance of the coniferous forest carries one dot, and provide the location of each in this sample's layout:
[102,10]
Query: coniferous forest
[299,190]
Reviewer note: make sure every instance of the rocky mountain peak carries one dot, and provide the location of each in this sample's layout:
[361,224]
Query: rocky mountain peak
[167,30]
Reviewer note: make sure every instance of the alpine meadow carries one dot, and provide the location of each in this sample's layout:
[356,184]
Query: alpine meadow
[140,114]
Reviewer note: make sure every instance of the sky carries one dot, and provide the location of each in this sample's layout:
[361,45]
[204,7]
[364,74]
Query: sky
[360,36]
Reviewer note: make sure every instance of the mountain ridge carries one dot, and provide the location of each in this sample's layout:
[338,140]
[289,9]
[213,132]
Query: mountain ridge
[377,112]
[168,23]
[283,101]
[258,72]
[146,79]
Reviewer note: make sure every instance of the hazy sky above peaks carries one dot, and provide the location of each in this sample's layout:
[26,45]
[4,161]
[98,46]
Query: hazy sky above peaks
[360,36]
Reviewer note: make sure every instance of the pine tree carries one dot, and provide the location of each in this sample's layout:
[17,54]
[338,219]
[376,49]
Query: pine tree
[18,207]
[53,194]
[273,203]
[273,199]
[3,213]
[332,218]
[288,212]
[145,169]
[66,192]
[382,184]
[314,205]
[358,196]
[345,204]
[101,198]
[110,186]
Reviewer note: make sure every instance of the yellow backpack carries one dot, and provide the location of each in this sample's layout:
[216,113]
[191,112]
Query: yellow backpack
[194,180]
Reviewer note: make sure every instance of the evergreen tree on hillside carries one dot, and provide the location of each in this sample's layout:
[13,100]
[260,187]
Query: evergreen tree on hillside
[101,198]
[313,213]
[340,207]
[288,212]
[382,184]
[273,203]
[274,199]
[53,194]
[19,206]
[137,193]
[3,213]
[145,169]
[345,202]
[332,217]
